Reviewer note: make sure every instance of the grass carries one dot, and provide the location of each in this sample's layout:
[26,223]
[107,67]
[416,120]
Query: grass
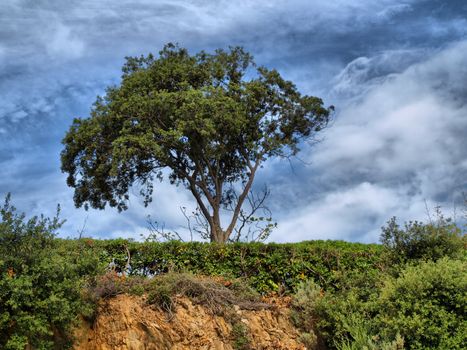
[214,295]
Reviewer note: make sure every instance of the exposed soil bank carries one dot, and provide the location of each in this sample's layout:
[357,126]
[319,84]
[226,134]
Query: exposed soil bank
[128,323]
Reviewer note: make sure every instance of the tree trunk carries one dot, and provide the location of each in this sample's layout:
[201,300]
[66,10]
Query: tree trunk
[218,235]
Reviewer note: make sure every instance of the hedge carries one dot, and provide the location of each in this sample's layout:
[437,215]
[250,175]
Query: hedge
[267,267]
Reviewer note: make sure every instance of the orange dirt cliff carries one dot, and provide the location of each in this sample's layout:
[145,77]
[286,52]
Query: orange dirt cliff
[127,322]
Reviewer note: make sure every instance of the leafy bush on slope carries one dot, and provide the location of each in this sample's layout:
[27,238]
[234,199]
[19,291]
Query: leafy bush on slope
[419,296]
[40,282]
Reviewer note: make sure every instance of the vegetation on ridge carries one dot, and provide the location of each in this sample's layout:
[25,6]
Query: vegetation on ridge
[418,300]
[410,290]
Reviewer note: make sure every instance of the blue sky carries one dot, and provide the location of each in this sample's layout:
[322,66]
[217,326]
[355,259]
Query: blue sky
[395,70]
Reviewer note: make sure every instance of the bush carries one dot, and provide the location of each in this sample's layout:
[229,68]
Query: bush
[337,317]
[427,305]
[419,241]
[266,267]
[304,311]
[40,282]
[241,336]
[360,337]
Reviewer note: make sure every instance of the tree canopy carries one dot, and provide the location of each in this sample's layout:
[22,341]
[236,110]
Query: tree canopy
[210,119]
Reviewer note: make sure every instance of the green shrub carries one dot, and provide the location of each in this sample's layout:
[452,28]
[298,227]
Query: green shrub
[241,336]
[419,241]
[304,311]
[334,317]
[266,267]
[40,283]
[427,305]
[360,337]
[327,312]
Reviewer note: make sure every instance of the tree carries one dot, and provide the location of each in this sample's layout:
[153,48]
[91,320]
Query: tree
[212,120]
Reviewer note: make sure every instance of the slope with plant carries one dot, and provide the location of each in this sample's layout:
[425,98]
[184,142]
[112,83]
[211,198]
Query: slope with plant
[418,300]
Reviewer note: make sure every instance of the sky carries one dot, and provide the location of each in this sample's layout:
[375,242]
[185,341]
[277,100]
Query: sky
[396,72]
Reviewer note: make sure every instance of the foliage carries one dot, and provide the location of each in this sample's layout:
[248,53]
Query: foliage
[417,296]
[427,305]
[331,315]
[424,308]
[419,241]
[40,282]
[360,339]
[211,120]
[304,311]
[241,336]
[266,267]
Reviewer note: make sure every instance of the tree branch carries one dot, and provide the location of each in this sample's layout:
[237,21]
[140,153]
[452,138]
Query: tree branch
[242,197]
[200,202]
[203,185]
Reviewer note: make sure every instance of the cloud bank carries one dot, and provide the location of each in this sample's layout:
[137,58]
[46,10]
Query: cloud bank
[401,144]
[395,70]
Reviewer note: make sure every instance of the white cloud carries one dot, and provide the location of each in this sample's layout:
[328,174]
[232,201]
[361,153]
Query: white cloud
[393,10]
[400,144]
[397,124]
[63,43]
[364,73]
[356,213]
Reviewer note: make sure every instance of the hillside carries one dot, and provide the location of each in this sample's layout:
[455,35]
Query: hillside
[409,292]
